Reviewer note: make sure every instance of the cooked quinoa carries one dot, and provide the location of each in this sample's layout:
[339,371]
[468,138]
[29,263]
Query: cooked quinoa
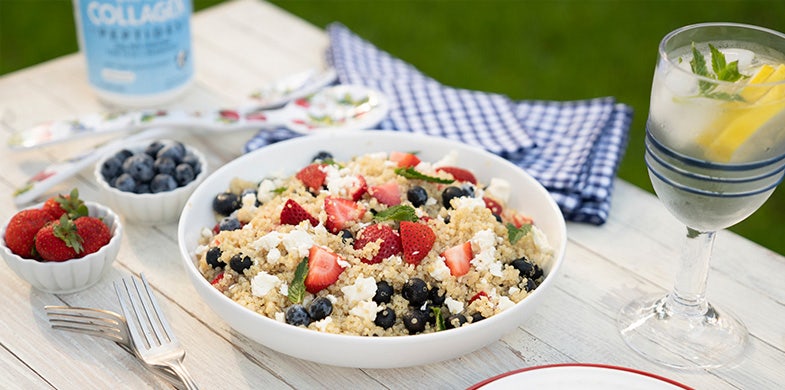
[499,274]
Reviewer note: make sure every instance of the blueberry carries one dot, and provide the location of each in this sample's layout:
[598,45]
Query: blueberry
[449,194]
[320,308]
[385,318]
[124,182]
[414,320]
[164,165]
[297,315]
[193,161]
[229,224]
[436,298]
[446,220]
[153,148]
[140,167]
[384,292]
[213,257]
[417,195]
[455,321]
[322,156]
[346,236]
[415,290]
[530,285]
[174,150]
[240,263]
[225,203]
[123,154]
[111,168]
[184,174]
[477,317]
[142,188]
[526,268]
[429,314]
[162,182]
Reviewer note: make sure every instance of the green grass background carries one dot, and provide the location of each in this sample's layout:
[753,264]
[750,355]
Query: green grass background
[554,50]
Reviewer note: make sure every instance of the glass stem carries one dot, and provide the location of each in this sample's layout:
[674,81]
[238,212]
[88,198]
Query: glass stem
[688,297]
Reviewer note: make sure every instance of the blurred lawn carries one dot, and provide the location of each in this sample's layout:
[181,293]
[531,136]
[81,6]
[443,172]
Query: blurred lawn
[554,50]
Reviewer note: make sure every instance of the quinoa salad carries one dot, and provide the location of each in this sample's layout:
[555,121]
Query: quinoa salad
[381,245]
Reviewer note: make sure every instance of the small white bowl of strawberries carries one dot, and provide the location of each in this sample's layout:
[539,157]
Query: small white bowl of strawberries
[63,245]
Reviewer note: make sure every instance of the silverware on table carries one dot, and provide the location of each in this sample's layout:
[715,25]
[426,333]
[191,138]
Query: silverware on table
[105,324]
[150,333]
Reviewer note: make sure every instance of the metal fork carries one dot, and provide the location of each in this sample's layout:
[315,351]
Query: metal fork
[150,333]
[102,323]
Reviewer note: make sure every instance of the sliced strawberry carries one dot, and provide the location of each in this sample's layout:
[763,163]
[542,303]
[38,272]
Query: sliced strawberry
[388,193]
[323,269]
[416,240]
[390,244]
[459,174]
[458,257]
[404,160]
[217,279]
[358,189]
[516,218]
[293,214]
[478,296]
[494,206]
[312,176]
[229,115]
[340,212]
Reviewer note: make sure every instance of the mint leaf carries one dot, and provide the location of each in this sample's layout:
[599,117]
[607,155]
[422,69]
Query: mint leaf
[514,234]
[698,65]
[279,190]
[725,96]
[437,313]
[297,287]
[411,173]
[397,213]
[723,70]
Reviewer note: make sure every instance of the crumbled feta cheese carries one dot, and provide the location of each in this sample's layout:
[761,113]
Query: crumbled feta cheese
[377,156]
[431,201]
[540,240]
[365,309]
[266,190]
[267,241]
[298,242]
[249,201]
[332,298]
[322,324]
[504,303]
[200,249]
[466,202]
[273,255]
[513,290]
[263,282]
[362,289]
[206,233]
[340,182]
[484,247]
[454,306]
[439,270]
[449,159]
[284,289]
[280,317]
[343,263]
[499,189]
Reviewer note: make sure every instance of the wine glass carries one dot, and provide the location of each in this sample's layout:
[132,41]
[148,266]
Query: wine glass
[715,151]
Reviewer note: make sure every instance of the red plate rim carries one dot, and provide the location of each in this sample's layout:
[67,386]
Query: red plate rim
[605,366]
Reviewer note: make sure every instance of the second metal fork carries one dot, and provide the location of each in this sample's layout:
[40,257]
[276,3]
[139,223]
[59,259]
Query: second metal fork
[152,337]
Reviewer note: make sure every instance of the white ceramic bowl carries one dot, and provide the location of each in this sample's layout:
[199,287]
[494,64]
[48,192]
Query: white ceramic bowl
[149,209]
[528,196]
[72,275]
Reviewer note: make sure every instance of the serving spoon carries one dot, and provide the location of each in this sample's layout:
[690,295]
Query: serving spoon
[335,109]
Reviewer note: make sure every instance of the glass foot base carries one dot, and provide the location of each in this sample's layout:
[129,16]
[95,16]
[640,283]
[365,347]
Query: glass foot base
[709,340]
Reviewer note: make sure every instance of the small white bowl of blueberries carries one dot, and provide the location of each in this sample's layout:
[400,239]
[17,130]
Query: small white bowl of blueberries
[149,182]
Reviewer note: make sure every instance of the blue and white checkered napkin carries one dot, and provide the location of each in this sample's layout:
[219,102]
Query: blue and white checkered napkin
[572,148]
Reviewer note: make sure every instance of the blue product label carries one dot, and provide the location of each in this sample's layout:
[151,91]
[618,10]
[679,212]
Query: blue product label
[136,47]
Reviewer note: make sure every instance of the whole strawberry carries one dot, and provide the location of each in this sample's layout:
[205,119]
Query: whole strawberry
[59,241]
[21,230]
[94,232]
[61,204]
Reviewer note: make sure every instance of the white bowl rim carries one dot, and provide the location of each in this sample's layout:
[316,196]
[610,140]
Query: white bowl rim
[556,262]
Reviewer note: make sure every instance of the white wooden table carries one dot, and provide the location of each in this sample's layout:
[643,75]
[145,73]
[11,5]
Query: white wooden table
[243,44]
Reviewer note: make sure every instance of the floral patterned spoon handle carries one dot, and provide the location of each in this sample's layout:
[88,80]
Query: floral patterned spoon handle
[340,107]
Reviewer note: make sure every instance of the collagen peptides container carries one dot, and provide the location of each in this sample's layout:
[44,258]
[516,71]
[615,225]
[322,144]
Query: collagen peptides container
[138,52]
